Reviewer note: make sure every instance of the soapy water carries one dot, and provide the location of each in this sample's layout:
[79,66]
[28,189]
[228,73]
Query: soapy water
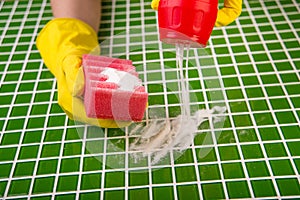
[160,139]
[161,136]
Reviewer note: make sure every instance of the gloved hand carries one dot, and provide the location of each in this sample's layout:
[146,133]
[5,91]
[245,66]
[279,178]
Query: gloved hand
[230,11]
[61,43]
[226,15]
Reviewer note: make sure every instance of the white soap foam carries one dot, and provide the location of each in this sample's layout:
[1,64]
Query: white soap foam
[159,137]
[125,80]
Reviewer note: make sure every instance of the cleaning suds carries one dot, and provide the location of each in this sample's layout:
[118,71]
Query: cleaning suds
[161,136]
[125,80]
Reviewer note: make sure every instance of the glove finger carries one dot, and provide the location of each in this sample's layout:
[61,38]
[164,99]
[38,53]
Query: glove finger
[154,4]
[73,74]
[231,10]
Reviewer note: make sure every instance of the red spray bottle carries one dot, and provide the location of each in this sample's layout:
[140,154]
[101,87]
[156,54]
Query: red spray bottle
[187,21]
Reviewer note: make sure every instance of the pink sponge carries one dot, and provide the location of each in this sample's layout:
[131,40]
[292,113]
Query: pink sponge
[106,100]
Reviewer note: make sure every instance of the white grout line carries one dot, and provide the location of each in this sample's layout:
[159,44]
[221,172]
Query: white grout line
[32,101]
[286,93]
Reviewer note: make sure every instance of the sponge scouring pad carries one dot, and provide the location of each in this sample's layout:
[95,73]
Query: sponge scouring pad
[107,100]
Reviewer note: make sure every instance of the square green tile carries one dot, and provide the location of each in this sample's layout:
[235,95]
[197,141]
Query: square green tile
[41,198]
[206,154]
[228,70]
[89,195]
[73,148]
[295,101]
[188,191]
[263,188]
[48,166]
[53,135]
[274,91]
[92,163]
[51,150]
[256,47]
[254,92]
[238,106]
[281,167]
[32,137]
[259,105]
[27,76]
[269,133]
[162,175]
[233,170]
[39,109]
[247,135]
[286,117]
[19,187]
[283,66]
[241,192]
[292,89]
[43,185]
[10,138]
[209,172]
[275,150]
[19,111]
[280,103]
[257,169]
[252,151]
[91,181]
[67,183]
[54,121]
[114,179]
[2,187]
[67,196]
[28,152]
[137,194]
[5,169]
[163,192]
[94,147]
[76,133]
[246,68]
[228,153]
[250,80]
[264,67]
[114,194]
[291,132]
[185,174]
[36,122]
[264,119]
[234,94]
[261,57]
[294,148]
[213,191]
[15,124]
[69,165]
[21,98]
[278,55]
[242,120]
[231,82]
[7,154]
[269,79]
[137,178]
[24,169]
[288,186]
[186,157]
[26,87]
[42,97]
[242,59]
[11,77]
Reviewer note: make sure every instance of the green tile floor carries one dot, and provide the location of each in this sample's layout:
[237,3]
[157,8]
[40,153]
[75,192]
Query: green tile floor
[252,67]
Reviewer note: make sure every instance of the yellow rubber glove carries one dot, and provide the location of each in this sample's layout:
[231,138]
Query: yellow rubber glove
[61,43]
[230,11]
